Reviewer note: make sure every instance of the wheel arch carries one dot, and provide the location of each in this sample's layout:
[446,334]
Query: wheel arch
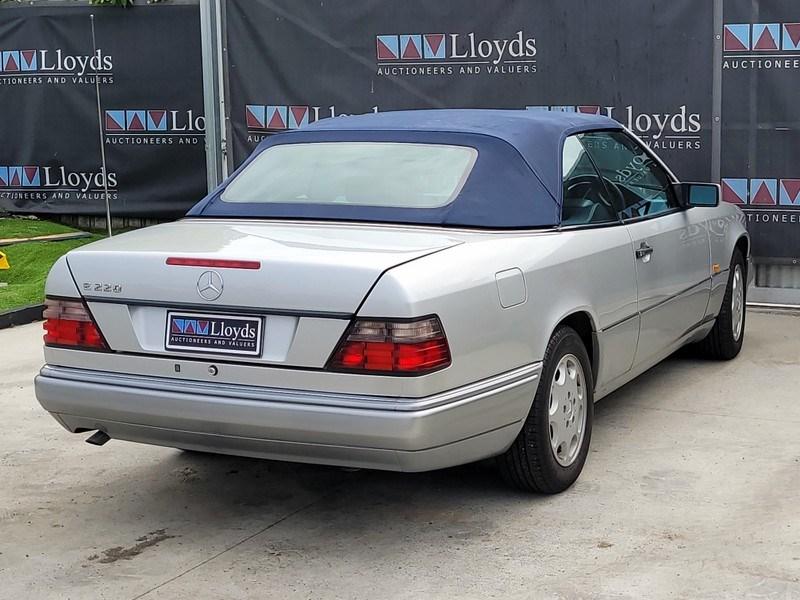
[743,245]
[583,324]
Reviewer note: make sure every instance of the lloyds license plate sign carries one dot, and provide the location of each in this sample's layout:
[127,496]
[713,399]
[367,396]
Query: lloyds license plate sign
[217,334]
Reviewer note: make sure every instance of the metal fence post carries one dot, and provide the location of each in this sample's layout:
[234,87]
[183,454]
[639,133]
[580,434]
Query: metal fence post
[716,95]
[210,48]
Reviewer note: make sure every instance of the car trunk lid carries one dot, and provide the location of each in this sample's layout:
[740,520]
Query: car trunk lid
[303,267]
[294,284]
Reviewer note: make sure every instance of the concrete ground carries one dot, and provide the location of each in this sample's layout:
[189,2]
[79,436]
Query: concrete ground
[692,490]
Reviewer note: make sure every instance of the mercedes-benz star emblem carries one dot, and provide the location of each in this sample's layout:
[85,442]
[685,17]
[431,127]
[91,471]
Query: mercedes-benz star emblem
[210,285]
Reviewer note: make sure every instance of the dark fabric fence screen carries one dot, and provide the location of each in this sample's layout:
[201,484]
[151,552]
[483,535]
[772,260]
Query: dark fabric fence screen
[761,122]
[649,64]
[149,66]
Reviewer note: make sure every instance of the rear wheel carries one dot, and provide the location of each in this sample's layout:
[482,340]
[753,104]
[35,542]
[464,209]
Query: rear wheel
[724,341]
[550,450]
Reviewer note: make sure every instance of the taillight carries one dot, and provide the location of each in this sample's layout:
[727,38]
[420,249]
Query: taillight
[393,347]
[69,323]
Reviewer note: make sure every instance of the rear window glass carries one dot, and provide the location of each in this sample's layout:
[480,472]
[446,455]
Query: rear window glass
[387,174]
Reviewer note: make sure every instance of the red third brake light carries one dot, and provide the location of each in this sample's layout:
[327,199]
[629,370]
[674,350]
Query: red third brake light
[69,323]
[221,263]
[393,347]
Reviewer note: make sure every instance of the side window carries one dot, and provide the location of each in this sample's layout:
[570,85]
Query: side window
[639,184]
[585,199]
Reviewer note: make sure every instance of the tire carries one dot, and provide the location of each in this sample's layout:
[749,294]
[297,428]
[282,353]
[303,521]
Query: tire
[531,464]
[722,343]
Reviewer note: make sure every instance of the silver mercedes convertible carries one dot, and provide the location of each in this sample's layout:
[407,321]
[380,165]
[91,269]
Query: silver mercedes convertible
[406,290]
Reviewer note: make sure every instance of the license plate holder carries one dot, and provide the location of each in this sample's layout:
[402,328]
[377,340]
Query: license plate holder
[237,335]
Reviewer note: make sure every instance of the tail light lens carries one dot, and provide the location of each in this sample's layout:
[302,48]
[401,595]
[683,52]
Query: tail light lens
[393,347]
[69,323]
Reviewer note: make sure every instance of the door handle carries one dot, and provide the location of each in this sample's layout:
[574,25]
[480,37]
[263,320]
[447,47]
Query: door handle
[644,251]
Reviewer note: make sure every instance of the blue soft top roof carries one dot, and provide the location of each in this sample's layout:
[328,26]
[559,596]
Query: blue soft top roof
[515,182]
[536,134]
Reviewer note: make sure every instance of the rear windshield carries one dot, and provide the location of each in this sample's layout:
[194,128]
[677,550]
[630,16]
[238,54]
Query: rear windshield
[384,174]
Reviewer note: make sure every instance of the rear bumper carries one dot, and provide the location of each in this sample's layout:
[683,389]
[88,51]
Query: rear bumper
[408,434]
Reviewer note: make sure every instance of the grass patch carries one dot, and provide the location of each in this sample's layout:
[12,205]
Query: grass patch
[30,264]
[25,228]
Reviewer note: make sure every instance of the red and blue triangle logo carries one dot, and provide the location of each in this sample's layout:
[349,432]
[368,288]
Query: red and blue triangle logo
[766,36]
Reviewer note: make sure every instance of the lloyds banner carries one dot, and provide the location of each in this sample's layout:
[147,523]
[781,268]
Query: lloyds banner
[761,122]
[147,63]
[647,64]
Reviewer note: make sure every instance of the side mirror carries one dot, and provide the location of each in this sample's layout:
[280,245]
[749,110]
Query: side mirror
[697,194]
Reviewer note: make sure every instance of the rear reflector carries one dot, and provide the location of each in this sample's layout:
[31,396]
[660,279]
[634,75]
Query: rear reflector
[69,323]
[219,263]
[393,347]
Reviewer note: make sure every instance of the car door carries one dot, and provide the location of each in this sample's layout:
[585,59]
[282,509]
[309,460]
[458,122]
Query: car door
[670,244]
[601,252]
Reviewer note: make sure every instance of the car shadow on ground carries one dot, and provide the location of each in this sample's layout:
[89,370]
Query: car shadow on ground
[244,487]
[320,512]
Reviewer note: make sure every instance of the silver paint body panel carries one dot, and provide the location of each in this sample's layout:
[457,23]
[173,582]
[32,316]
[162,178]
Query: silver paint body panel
[455,427]
[499,295]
